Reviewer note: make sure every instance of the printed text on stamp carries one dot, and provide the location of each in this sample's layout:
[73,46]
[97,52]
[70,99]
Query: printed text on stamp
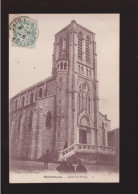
[23,31]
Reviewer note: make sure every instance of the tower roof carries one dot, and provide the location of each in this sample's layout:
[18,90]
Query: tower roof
[73,22]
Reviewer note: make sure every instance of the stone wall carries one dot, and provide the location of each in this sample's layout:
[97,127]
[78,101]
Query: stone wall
[46,134]
[20,132]
[113,141]
[30,142]
[61,110]
[103,127]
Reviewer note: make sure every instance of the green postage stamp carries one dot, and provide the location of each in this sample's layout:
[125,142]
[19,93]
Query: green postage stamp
[23,31]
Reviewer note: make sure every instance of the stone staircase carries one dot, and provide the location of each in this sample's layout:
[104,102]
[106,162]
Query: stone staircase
[88,152]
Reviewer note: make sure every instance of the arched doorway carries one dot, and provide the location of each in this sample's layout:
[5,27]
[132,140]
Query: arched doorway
[83,130]
[83,136]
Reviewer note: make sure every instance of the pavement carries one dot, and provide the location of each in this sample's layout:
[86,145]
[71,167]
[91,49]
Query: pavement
[34,172]
[22,165]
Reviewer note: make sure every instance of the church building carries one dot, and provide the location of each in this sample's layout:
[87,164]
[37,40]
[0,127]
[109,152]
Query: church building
[63,110]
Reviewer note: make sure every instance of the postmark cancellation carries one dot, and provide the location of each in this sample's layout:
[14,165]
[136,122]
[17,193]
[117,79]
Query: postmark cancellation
[23,31]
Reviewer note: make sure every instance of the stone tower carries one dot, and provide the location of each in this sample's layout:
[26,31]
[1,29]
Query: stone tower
[63,109]
[75,70]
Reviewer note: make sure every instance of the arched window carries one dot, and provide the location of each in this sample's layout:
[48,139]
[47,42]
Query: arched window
[84,121]
[65,66]
[59,123]
[103,132]
[86,72]
[49,119]
[60,46]
[78,103]
[90,73]
[79,68]
[67,44]
[83,99]
[16,103]
[87,49]
[22,102]
[84,102]
[31,98]
[19,122]
[89,104]
[58,66]
[45,92]
[40,93]
[81,102]
[30,121]
[80,46]
[61,65]
[12,128]
[82,70]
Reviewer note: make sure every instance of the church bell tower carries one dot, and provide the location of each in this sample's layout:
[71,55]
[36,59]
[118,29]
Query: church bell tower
[75,70]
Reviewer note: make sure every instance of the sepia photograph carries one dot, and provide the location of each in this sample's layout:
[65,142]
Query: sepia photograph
[64,98]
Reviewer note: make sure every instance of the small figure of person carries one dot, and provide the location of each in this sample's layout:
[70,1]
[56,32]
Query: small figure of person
[46,159]
[70,168]
[66,145]
[81,168]
[60,167]
[63,167]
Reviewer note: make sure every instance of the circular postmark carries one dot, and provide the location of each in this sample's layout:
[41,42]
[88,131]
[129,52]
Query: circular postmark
[23,31]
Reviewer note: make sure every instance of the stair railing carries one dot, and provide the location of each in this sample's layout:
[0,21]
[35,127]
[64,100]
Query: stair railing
[88,148]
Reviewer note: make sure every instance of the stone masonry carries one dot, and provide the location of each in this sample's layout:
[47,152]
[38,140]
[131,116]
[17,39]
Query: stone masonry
[64,108]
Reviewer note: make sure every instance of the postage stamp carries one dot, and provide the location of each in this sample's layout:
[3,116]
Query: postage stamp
[23,31]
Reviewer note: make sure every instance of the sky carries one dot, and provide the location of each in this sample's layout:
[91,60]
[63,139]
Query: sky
[28,66]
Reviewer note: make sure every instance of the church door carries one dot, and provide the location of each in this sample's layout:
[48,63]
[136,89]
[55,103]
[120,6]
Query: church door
[83,136]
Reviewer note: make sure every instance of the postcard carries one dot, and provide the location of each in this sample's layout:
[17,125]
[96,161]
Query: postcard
[64,98]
